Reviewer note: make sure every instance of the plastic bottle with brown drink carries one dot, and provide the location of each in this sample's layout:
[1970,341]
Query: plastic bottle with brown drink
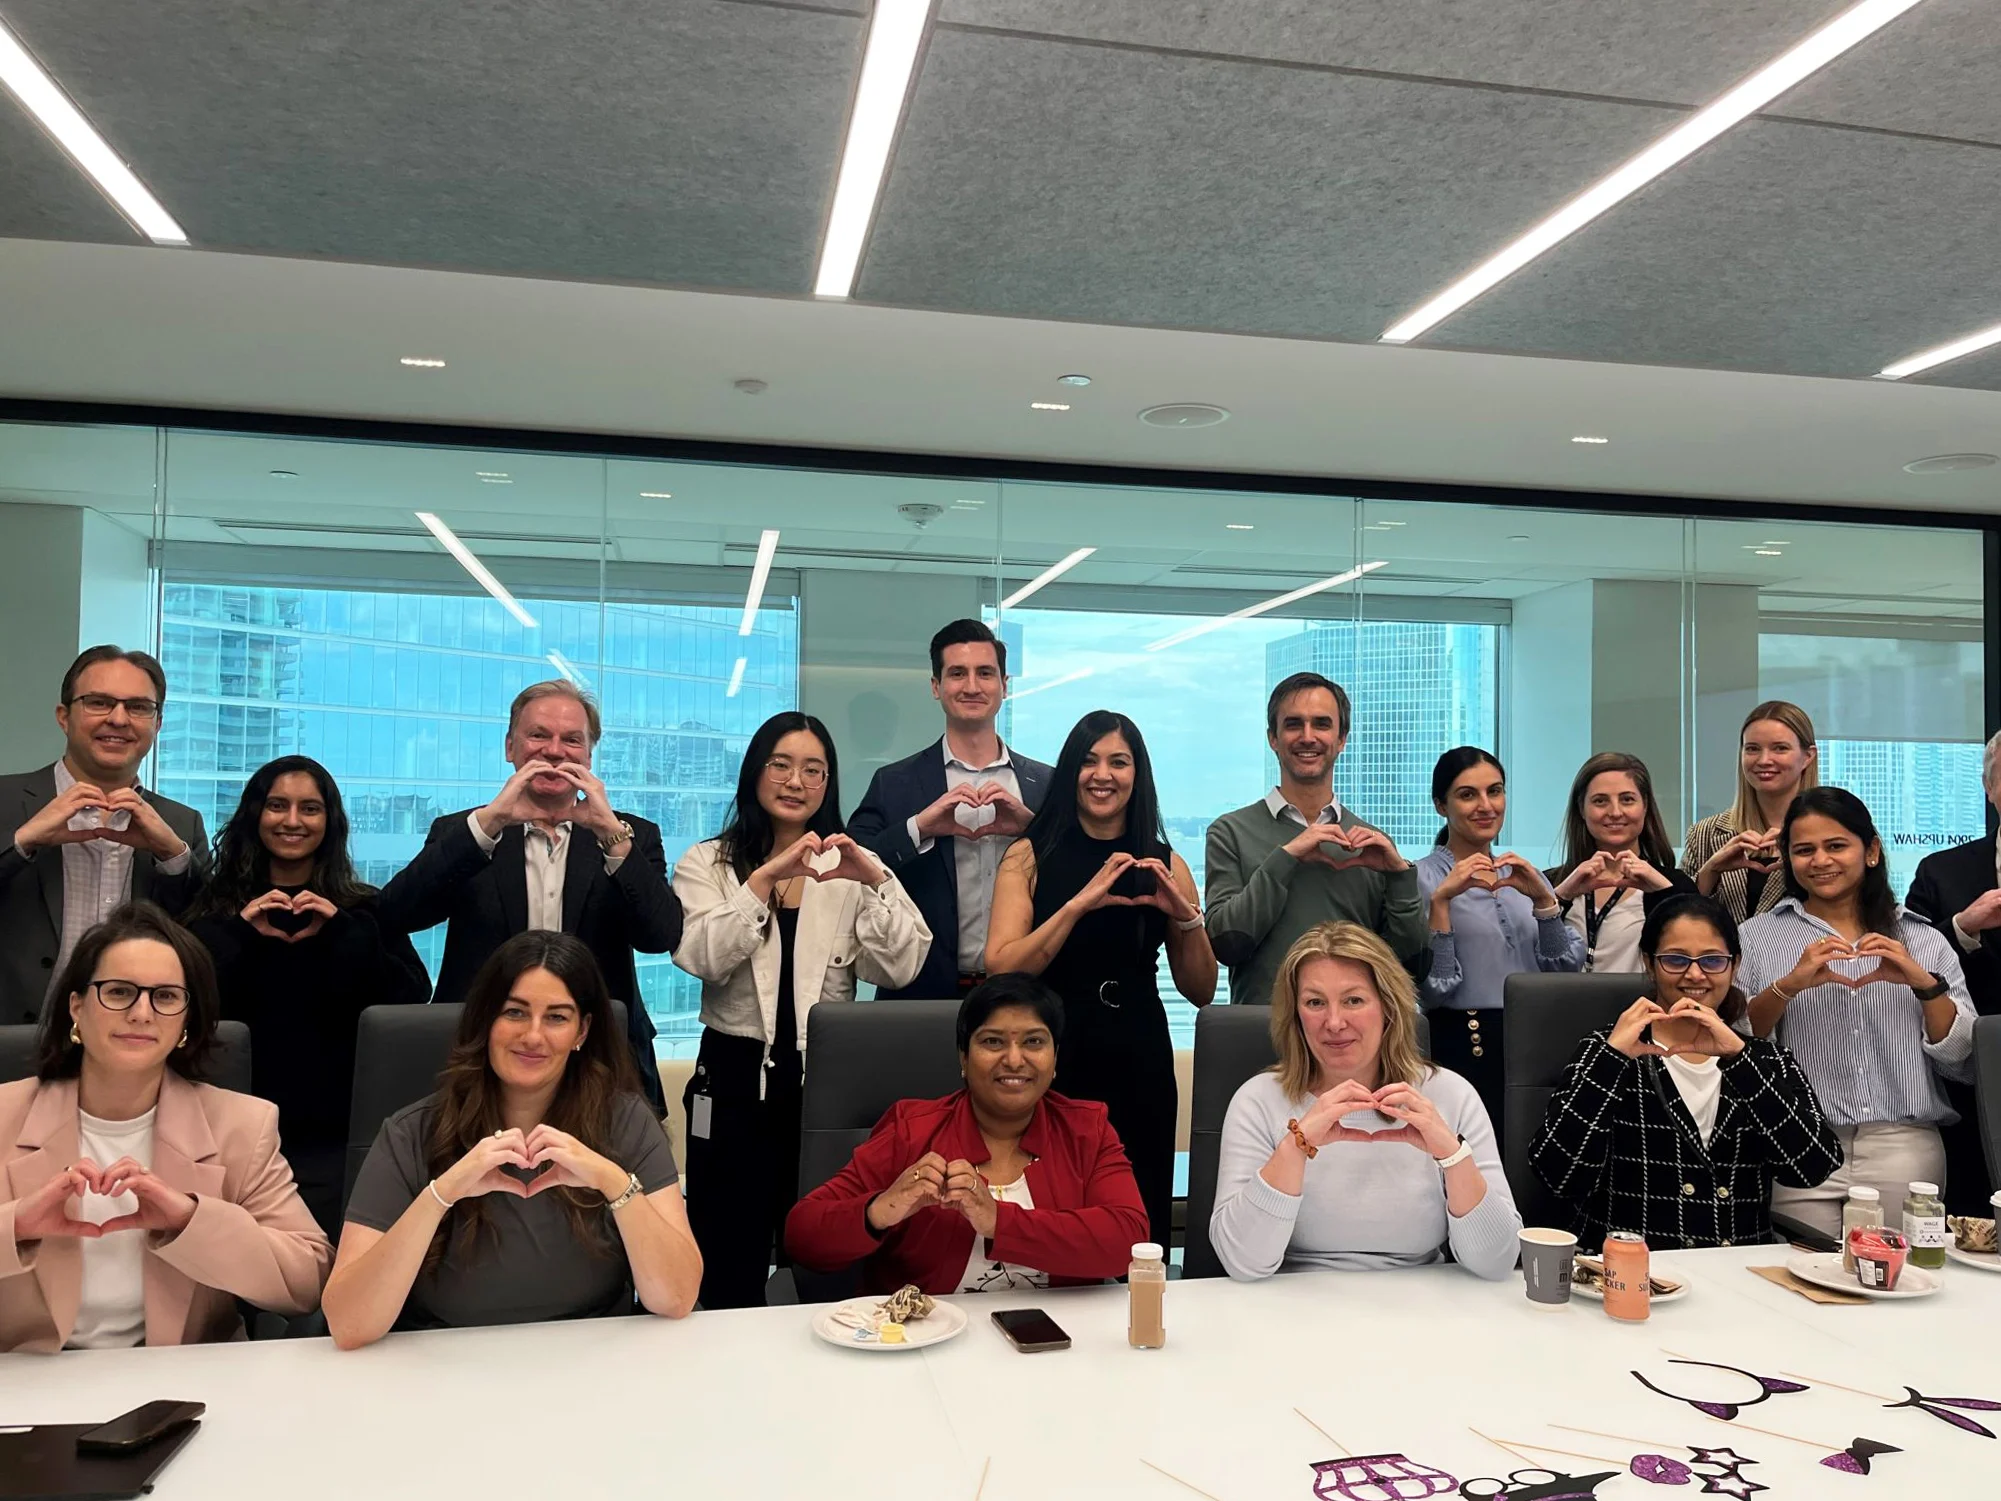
[1146,1297]
[1628,1292]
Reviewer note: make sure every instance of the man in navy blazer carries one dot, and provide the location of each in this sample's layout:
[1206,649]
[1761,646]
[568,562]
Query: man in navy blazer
[548,852]
[942,819]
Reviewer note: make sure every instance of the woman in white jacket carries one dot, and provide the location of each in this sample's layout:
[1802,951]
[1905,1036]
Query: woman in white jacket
[783,910]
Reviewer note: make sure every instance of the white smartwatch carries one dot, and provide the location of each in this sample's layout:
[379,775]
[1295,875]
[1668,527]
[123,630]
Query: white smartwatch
[1456,1158]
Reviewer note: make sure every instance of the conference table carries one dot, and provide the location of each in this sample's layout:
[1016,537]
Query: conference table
[1256,1384]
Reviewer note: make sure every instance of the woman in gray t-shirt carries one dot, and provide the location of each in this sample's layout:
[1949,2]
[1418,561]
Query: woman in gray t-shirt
[535,1184]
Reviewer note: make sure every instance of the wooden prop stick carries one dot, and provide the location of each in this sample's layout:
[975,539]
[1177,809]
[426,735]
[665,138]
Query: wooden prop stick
[1620,1438]
[1774,1433]
[986,1465]
[1856,1390]
[1177,1479]
[1603,1459]
[1346,1452]
[1514,1453]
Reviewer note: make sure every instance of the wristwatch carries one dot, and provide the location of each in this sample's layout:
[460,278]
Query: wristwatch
[1933,991]
[618,835]
[1455,1158]
[631,1189]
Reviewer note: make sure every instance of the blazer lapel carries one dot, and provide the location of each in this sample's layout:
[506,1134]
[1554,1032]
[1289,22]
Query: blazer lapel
[51,1129]
[510,878]
[582,865]
[184,1157]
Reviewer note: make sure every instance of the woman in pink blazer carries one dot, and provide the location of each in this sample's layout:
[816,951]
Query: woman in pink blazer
[138,1204]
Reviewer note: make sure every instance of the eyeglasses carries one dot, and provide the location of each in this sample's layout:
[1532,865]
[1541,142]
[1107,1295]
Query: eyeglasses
[100,704]
[781,770]
[1710,964]
[122,995]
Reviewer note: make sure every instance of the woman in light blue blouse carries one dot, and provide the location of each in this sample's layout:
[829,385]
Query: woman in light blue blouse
[1491,916]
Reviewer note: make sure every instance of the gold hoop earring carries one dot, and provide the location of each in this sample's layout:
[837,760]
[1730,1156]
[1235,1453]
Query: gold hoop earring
[183,1042]
[75,1037]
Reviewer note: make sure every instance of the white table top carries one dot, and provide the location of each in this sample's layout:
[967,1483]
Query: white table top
[750,1404]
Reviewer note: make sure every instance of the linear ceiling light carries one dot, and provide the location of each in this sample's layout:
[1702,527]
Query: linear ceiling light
[1052,572]
[736,677]
[567,668]
[894,33]
[1259,609]
[1753,94]
[477,569]
[51,107]
[1059,682]
[1987,338]
[767,545]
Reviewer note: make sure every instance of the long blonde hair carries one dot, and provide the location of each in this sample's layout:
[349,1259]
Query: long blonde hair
[1400,1057]
[1744,812]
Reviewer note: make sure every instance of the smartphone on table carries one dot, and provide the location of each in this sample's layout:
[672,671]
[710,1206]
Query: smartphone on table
[139,1427]
[1030,1330]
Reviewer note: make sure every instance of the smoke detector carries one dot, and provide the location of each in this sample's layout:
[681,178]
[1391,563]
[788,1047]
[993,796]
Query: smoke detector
[920,513]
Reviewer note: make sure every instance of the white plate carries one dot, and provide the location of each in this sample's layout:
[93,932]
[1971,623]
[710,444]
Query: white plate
[1987,1261]
[1825,1270]
[937,1326]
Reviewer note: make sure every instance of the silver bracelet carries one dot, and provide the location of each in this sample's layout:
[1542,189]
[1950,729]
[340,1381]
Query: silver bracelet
[443,1202]
[631,1189]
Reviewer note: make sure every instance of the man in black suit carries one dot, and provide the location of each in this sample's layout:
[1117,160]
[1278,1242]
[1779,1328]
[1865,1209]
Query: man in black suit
[548,852]
[942,819]
[1956,891]
[87,837]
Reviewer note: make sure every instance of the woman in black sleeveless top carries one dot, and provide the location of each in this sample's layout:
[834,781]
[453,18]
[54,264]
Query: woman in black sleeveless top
[1086,899]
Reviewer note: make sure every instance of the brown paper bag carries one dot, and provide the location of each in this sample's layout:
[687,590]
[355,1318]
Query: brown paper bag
[1783,1278]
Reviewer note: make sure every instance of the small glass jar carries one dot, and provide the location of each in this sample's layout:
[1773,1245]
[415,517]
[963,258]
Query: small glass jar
[1924,1226]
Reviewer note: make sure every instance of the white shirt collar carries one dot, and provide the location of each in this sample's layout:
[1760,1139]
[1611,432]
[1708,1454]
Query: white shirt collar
[1275,802]
[945,750]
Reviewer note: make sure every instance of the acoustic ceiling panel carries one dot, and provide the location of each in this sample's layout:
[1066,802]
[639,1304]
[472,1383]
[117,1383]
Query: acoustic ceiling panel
[1935,70]
[1053,180]
[685,141]
[1783,247]
[43,196]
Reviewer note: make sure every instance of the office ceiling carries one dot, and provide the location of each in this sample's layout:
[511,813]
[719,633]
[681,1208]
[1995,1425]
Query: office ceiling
[1288,168]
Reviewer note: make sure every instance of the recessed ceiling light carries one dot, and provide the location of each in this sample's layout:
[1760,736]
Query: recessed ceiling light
[1587,438]
[1237,526]
[1073,380]
[1768,552]
[284,474]
[1791,66]
[895,31]
[968,500]
[52,109]
[1377,526]
[421,362]
[1949,463]
[1184,414]
[1392,523]
[1776,542]
[496,479]
[767,546]
[1957,349]
[491,473]
[1518,537]
[1048,575]
[656,494]
[1049,406]
[1277,601]
[477,569]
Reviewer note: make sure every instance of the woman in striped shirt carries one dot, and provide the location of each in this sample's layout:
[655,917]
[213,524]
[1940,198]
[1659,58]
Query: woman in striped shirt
[1868,998]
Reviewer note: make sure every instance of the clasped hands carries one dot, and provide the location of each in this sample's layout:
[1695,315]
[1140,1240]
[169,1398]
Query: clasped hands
[550,1158]
[46,1212]
[932,1180]
[1420,1123]
[1711,1037]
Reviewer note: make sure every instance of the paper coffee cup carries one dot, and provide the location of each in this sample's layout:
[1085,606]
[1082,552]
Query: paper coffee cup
[1547,1256]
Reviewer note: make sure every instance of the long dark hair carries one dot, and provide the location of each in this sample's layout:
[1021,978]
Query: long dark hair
[1450,767]
[1699,908]
[241,867]
[56,1057]
[1578,846]
[1144,836]
[1875,901]
[468,1100]
[745,842]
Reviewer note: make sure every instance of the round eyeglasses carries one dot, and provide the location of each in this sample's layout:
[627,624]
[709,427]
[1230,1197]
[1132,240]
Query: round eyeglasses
[780,770]
[123,995]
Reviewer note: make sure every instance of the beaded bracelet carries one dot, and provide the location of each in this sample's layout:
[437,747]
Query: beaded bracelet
[1300,1136]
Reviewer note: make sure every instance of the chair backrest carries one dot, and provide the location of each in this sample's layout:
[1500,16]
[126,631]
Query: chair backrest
[228,1061]
[1231,1044]
[1546,1017]
[399,1052]
[1987,1089]
[861,1058]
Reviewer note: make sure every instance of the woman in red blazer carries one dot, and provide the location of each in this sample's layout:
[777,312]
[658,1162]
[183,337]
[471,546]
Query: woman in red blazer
[1001,1185]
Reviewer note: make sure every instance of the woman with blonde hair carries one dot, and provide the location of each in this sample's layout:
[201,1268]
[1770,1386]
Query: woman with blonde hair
[1734,855]
[1352,1152]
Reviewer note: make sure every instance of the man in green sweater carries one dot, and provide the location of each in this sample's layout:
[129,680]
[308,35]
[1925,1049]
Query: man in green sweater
[1296,857]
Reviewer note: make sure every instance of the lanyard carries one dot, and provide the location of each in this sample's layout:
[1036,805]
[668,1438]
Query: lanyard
[1594,919]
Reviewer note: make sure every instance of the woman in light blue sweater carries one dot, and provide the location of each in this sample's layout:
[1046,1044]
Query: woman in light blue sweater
[1353,1152]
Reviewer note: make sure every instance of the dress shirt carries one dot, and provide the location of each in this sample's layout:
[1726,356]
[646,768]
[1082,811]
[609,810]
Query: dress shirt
[1494,934]
[975,862]
[546,855]
[1864,1050]
[1280,808]
[1971,941]
[97,878]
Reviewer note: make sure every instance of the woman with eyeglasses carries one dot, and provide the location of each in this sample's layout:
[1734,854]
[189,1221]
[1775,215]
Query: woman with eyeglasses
[783,911]
[1672,1124]
[299,954]
[142,1202]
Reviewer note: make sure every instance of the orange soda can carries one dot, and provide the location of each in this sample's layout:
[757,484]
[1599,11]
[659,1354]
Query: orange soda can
[1626,1287]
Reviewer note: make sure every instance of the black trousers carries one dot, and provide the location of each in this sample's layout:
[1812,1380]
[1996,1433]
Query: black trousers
[1469,1043]
[743,1175]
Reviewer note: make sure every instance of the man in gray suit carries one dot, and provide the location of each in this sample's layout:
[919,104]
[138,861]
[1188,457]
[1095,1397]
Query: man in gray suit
[86,836]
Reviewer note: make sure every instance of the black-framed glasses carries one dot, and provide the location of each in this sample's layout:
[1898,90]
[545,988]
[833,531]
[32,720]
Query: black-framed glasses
[123,995]
[778,769]
[1710,964]
[141,709]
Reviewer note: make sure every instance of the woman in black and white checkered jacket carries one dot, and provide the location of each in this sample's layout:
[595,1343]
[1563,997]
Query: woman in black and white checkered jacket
[1672,1123]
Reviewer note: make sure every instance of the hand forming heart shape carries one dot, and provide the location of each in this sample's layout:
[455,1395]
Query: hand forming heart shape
[1852,979]
[974,816]
[819,862]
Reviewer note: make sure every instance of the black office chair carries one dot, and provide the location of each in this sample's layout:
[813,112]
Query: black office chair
[1545,1017]
[1987,1089]
[398,1053]
[861,1059]
[228,1062]
[1231,1043]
